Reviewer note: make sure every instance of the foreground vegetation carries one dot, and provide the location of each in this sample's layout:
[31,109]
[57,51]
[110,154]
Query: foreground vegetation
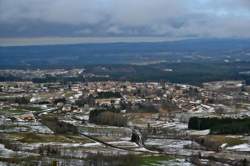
[221,125]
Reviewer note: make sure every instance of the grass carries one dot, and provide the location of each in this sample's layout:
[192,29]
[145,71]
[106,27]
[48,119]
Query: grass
[129,160]
[18,160]
[69,93]
[45,138]
[231,141]
[19,110]
[12,111]
[153,160]
[6,127]
[121,160]
[29,108]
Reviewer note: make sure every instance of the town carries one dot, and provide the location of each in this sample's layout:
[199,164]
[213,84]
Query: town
[81,122]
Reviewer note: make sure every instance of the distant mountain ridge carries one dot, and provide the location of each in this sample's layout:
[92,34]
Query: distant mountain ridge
[115,53]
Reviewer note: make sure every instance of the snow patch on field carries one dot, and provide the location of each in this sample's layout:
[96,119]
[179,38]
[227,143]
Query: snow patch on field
[240,148]
[92,144]
[201,132]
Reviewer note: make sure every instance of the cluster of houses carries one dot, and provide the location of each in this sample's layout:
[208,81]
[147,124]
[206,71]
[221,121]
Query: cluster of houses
[214,98]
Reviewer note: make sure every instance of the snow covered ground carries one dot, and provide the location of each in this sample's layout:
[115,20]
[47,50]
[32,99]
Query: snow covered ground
[240,148]
[7,153]
[170,146]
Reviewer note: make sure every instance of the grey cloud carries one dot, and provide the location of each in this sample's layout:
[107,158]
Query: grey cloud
[56,11]
[170,18]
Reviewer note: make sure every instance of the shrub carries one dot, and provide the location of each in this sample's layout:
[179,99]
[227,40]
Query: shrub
[104,117]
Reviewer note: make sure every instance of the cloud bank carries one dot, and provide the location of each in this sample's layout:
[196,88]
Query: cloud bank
[124,18]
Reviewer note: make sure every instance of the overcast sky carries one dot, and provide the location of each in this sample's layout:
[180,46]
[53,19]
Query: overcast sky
[124,18]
